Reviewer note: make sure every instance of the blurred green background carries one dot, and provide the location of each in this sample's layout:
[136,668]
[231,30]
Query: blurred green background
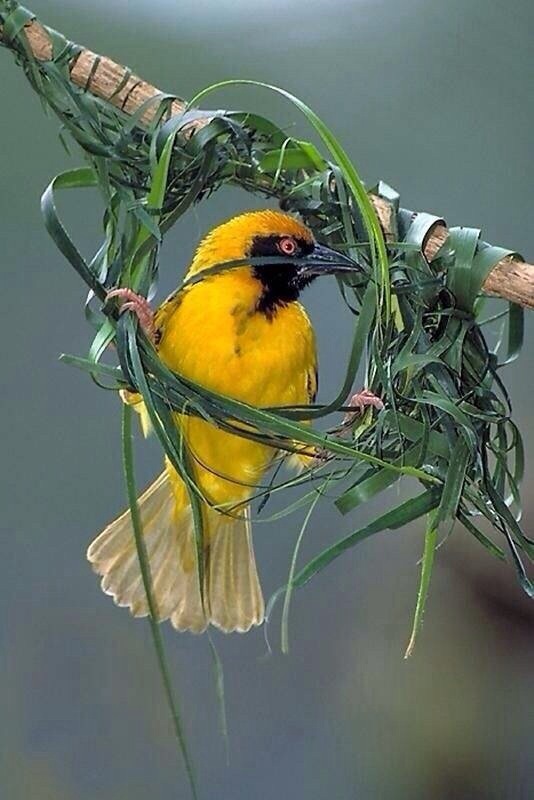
[433,97]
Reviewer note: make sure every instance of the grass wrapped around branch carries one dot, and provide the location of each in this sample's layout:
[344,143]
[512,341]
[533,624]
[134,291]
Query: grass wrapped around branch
[419,334]
[417,326]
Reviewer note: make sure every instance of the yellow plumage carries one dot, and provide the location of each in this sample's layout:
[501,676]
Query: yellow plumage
[214,333]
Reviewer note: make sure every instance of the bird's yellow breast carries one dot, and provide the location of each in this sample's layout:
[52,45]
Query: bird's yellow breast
[213,334]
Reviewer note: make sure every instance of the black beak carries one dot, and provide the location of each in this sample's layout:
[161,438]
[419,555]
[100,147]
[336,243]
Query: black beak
[326,261]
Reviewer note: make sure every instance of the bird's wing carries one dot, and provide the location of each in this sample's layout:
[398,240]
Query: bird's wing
[312,383]
[301,461]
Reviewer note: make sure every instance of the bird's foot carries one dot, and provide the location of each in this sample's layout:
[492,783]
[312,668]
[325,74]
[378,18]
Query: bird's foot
[140,307]
[359,402]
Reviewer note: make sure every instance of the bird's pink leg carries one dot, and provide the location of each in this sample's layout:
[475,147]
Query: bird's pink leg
[140,306]
[360,401]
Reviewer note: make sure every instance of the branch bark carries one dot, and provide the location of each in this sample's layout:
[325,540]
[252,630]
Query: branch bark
[511,279]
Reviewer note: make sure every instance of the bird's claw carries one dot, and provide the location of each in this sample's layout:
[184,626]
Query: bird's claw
[140,307]
[359,402]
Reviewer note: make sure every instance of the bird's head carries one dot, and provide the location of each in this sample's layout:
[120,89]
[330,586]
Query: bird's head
[267,234]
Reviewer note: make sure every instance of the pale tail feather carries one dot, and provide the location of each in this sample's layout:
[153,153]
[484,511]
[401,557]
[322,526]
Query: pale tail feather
[232,593]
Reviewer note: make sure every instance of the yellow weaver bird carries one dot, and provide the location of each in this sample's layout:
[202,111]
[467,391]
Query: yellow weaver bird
[241,333]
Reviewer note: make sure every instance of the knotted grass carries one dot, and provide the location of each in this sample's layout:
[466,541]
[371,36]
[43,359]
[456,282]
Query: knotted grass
[419,335]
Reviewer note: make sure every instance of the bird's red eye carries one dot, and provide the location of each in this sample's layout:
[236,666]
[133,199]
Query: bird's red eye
[287,246]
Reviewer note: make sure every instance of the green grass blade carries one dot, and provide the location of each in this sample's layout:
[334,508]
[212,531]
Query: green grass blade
[453,487]
[221,701]
[431,539]
[290,579]
[393,519]
[127,453]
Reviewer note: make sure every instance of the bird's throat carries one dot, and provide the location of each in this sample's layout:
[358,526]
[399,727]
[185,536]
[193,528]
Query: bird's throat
[276,293]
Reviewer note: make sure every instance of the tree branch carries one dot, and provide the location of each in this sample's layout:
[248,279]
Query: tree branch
[511,279]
